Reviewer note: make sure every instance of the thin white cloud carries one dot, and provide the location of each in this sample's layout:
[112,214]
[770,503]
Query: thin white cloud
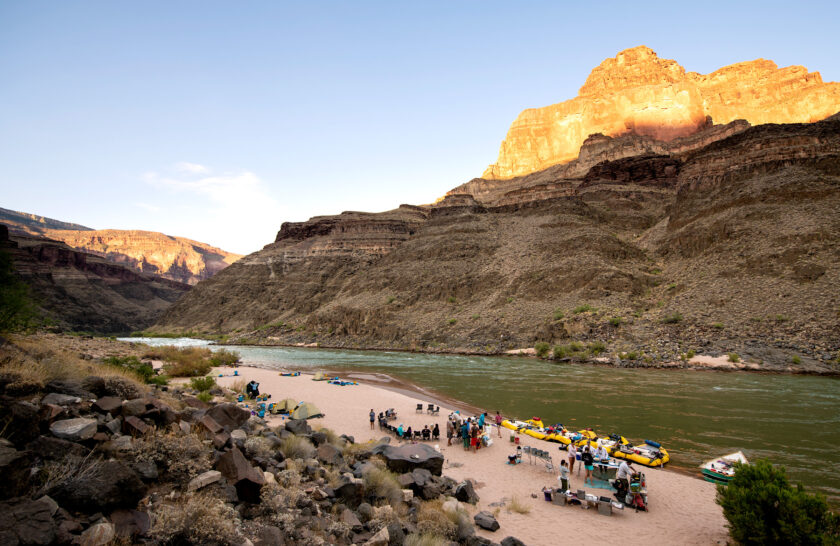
[232,210]
[192,168]
[148,207]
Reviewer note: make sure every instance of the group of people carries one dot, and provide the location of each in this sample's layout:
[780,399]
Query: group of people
[425,433]
[470,430]
[587,459]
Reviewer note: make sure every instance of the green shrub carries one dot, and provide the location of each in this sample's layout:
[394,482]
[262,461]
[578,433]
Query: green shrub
[597,347]
[558,314]
[475,317]
[559,352]
[509,300]
[796,360]
[761,507]
[542,349]
[733,357]
[451,299]
[616,321]
[144,370]
[718,325]
[223,357]
[690,354]
[182,362]
[204,396]
[574,347]
[391,299]
[672,286]
[781,318]
[381,483]
[158,380]
[632,355]
[452,320]
[585,308]
[673,318]
[203,383]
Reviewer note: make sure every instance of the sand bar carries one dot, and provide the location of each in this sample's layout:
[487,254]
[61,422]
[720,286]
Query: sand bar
[682,508]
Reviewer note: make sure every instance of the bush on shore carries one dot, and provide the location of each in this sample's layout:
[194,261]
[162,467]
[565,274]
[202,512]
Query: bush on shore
[761,507]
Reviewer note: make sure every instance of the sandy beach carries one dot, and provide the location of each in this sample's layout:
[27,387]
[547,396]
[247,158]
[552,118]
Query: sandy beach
[682,508]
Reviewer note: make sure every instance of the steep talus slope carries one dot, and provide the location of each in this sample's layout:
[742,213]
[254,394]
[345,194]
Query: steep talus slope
[738,238]
[636,92]
[83,292]
[149,252]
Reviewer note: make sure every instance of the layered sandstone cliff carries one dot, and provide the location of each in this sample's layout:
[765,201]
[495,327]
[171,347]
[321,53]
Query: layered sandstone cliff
[148,252]
[638,93]
[82,292]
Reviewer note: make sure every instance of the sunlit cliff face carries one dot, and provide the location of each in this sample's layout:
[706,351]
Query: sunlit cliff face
[637,92]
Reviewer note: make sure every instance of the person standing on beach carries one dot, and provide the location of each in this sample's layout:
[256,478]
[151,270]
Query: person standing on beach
[588,463]
[499,423]
[465,435]
[372,418]
[572,458]
[563,478]
[450,431]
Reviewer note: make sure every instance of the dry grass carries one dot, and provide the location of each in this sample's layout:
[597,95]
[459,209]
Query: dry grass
[180,457]
[383,484]
[297,447]
[423,539]
[196,519]
[56,473]
[518,506]
[433,520]
[238,386]
[182,361]
[38,360]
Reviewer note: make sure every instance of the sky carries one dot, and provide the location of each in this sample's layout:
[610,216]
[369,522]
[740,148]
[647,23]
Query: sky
[219,121]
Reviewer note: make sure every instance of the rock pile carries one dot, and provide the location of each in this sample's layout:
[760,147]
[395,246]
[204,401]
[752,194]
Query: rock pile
[152,468]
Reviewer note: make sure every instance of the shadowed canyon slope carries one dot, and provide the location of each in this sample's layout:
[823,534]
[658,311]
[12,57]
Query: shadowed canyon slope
[738,238]
[82,292]
[149,252]
[639,93]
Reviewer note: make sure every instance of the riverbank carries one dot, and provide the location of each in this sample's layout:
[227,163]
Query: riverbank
[714,361]
[682,509]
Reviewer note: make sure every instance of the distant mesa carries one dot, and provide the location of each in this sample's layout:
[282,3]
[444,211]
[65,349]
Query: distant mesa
[148,252]
[638,93]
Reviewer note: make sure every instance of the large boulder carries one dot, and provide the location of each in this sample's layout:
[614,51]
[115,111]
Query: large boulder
[465,492]
[23,521]
[407,457]
[21,422]
[108,404]
[298,426]
[203,480]
[60,399]
[247,479]
[107,485]
[329,454]
[98,534]
[512,541]
[48,447]
[229,416]
[130,523]
[69,386]
[486,520]
[15,470]
[74,430]
[349,489]
[94,384]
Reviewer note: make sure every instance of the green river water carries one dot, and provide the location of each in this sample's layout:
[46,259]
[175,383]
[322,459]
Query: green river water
[697,415]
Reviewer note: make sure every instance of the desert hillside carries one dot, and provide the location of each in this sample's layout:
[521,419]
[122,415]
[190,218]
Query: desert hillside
[149,252]
[721,240]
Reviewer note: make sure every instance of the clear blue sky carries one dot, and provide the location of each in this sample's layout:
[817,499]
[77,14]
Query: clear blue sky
[218,121]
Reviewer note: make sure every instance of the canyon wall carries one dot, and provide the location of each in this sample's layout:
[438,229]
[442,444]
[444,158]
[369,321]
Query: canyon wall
[148,252]
[638,93]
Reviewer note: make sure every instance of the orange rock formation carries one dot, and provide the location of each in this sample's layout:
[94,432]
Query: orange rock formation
[637,92]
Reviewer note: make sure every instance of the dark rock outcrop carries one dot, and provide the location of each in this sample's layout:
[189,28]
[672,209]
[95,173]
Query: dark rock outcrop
[106,486]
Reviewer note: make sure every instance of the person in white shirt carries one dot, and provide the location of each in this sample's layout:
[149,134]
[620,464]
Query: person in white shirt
[572,458]
[624,473]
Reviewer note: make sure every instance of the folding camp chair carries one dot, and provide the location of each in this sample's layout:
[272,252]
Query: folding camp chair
[549,463]
[436,410]
[419,408]
[430,408]
[527,450]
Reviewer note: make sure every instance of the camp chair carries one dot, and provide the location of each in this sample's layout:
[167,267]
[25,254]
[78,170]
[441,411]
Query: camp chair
[430,408]
[419,408]
[549,462]
[436,410]
[418,434]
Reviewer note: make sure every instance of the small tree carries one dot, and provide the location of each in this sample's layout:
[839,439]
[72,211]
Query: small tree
[761,507]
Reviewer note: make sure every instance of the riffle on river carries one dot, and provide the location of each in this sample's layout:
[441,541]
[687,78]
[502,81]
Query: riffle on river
[790,420]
